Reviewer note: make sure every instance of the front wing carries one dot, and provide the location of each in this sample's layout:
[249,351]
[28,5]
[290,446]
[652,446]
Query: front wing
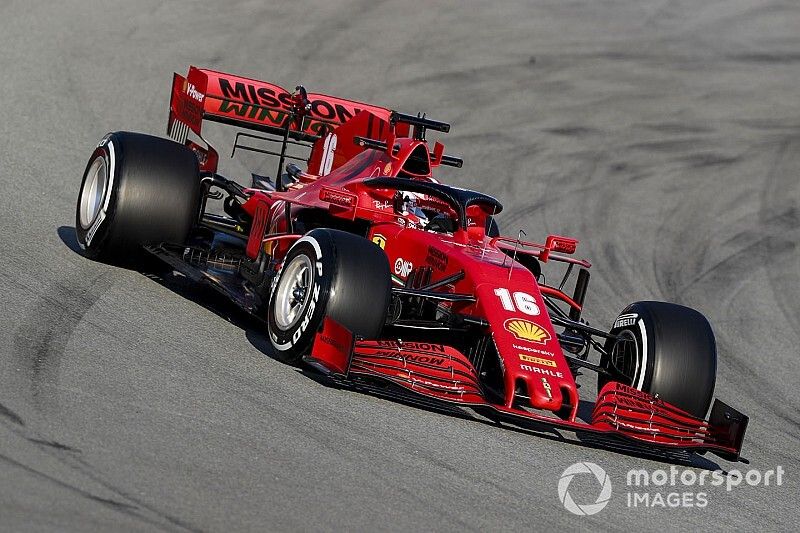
[445,375]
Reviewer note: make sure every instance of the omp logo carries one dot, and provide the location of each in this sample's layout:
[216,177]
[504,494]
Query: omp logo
[587,508]
[192,91]
[403,267]
[526,330]
[536,360]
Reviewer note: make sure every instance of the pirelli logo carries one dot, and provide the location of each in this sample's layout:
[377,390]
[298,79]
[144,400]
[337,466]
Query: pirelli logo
[536,360]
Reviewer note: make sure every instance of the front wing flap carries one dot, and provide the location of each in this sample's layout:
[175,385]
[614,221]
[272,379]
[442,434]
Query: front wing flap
[444,374]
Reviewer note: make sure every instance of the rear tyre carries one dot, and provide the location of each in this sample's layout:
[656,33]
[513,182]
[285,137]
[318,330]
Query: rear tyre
[327,273]
[665,349]
[137,189]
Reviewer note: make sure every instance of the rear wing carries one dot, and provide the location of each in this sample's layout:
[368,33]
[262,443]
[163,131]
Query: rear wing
[290,117]
[210,95]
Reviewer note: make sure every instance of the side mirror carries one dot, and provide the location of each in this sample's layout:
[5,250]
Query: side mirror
[557,243]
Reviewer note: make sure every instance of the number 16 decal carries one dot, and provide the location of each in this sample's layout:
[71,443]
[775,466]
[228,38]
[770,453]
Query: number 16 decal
[521,301]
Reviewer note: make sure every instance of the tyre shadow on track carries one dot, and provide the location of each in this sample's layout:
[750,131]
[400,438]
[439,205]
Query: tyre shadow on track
[70,240]
[254,328]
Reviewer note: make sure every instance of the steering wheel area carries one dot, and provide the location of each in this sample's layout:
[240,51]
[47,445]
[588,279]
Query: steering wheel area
[451,209]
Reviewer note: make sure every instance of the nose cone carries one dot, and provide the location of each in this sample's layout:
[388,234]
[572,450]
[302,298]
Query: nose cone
[544,394]
[533,363]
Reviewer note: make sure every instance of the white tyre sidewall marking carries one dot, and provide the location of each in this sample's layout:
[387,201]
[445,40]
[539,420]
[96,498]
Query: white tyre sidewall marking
[643,362]
[312,303]
[101,216]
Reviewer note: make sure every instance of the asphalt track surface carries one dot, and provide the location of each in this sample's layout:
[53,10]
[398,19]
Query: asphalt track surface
[665,135]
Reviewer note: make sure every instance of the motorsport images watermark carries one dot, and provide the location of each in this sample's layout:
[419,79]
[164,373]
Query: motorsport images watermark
[670,488]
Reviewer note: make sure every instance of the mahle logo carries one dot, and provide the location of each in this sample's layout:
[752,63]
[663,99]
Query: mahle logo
[583,469]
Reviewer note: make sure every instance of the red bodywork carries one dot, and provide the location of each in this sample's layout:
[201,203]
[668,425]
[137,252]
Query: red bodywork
[538,383]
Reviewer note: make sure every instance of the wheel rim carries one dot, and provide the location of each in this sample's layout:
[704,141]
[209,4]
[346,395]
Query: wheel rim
[93,192]
[625,356]
[292,293]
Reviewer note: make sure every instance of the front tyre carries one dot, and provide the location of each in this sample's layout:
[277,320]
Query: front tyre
[327,273]
[664,349]
[137,189]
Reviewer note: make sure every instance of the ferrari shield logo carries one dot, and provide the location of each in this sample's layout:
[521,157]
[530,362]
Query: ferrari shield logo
[380,240]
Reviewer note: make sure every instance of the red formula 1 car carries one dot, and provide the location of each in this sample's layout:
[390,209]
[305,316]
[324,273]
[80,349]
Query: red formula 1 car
[367,268]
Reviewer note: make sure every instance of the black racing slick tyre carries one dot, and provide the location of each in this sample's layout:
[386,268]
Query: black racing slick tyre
[137,189]
[327,273]
[665,349]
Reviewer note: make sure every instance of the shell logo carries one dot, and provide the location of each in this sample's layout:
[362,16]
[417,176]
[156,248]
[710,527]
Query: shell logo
[526,330]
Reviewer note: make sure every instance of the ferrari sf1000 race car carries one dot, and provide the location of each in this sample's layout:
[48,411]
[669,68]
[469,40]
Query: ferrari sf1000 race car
[365,267]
